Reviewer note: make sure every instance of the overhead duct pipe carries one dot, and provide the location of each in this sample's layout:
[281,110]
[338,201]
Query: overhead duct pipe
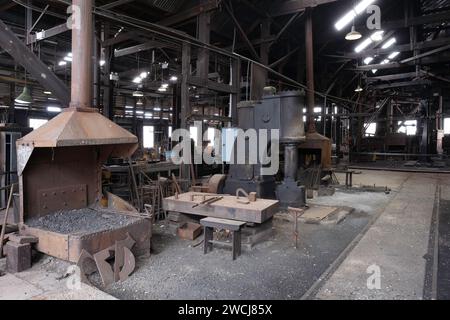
[82,30]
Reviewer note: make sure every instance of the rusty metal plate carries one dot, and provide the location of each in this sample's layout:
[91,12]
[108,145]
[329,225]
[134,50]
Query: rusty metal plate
[65,198]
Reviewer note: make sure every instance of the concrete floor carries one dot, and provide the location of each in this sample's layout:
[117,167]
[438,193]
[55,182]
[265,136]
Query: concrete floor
[391,231]
[45,281]
[397,243]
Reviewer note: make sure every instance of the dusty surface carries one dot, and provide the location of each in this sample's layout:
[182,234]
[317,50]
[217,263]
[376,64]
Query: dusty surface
[45,281]
[81,221]
[272,270]
[395,248]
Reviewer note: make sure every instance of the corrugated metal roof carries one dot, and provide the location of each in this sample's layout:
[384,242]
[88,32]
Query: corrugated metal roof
[430,5]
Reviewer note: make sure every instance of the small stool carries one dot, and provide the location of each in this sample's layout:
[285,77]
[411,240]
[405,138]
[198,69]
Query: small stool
[235,227]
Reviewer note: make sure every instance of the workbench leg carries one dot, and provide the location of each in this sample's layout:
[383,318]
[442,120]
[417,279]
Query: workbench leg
[208,237]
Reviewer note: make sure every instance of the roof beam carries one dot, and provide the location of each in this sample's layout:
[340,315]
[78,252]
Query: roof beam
[403,84]
[45,34]
[294,6]
[115,4]
[141,47]
[20,53]
[242,32]
[189,13]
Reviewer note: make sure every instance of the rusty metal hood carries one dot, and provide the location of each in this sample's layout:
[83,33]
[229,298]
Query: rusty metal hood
[78,127]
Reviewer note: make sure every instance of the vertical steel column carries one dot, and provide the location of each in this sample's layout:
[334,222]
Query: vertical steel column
[82,30]
[310,69]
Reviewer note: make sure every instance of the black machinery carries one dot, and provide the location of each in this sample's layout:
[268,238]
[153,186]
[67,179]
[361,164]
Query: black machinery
[283,111]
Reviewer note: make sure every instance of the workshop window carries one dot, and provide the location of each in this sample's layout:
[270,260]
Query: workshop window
[211,136]
[194,134]
[447,126]
[371,129]
[409,127]
[36,123]
[149,137]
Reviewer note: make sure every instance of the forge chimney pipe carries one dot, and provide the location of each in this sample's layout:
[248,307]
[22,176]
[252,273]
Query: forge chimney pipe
[82,30]
[310,70]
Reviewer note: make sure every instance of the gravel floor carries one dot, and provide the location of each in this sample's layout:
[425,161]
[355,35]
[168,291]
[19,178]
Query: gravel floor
[272,270]
[81,221]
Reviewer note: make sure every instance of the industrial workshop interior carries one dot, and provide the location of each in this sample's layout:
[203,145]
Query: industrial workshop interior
[224,150]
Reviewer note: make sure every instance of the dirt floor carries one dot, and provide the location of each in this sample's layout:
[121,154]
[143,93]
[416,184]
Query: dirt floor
[329,263]
[273,269]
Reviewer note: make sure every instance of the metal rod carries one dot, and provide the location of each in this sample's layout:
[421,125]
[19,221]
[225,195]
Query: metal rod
[5,220]
[310,69]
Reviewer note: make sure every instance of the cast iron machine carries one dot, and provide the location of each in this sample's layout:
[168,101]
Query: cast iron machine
[284,112]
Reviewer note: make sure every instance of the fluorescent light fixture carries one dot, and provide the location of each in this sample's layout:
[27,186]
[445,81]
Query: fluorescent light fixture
[102,63]
[386,61]
[368,60]
[20,108]
[363,45]
[174,78]
[149,114]
[54,109]
[143,75]
[359,89]
[157,109]
[62,63]
[374,71]
[69,54]
[345,20]
[162,89]
[47,92]
[393,55]
[317,110]
[137,80]
[139,112]
[129,107]
[360,7]
[68,59]
[377,36]
[389,43]
[165,85]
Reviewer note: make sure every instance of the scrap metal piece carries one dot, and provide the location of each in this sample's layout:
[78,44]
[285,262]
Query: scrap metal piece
[129,264]
[119,261]
[84,256]
[296,212]
[242,200]
[104,268]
